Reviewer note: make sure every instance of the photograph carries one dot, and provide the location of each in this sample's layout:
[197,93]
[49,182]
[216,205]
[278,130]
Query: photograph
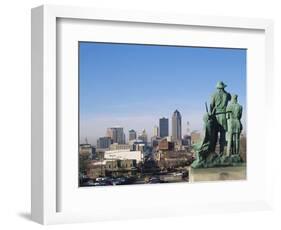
[176,112]
[155,114]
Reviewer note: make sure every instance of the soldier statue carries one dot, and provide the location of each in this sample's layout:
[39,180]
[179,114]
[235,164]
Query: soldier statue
[234,114]
[218,107]
[203,151]
[223,119]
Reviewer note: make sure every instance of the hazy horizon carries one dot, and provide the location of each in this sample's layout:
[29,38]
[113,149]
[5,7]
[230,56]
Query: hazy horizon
[132,86]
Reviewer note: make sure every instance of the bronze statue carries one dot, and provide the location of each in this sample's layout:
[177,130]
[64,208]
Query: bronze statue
[234,114]
[221,120]
[218,106]
[208,143]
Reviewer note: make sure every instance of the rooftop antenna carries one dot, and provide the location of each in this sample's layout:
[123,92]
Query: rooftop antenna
[86,140]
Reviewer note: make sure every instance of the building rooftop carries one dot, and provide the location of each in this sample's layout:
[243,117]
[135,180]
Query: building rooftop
[177,113]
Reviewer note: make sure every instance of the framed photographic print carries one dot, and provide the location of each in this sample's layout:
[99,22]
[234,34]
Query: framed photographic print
[138,114]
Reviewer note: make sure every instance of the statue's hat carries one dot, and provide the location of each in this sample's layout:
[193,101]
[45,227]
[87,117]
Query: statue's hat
[221,85]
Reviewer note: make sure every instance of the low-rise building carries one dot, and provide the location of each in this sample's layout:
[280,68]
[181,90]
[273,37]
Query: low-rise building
[186,141]
[155,141]
[123,155]
[138,145]
[87,151]
[127,164]
[111,164]
[111,168]
[116,146]
[96,169]
[120,165]
[165,145]
[195,137]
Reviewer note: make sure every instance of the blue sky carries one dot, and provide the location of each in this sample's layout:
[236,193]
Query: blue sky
[134,85]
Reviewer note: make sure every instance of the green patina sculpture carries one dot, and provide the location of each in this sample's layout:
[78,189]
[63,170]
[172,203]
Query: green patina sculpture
[209,142]
[218,106]
[222,120]
[234,114]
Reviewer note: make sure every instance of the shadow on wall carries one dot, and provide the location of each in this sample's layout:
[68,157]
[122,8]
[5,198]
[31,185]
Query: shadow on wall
[25,215]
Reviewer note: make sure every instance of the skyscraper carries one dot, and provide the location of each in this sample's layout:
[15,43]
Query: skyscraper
[188,128]
[176,126]
[155,131]
[132,135]
[116,134]
[103,142]
[143,136]
[163,127]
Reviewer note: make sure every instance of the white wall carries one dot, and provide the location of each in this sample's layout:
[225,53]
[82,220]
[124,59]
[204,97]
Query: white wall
[15,113]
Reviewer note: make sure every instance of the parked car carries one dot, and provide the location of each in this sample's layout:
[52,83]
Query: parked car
[114,181]
[178,174]
[154,180]
[99,179]
[100,183]
[89,183]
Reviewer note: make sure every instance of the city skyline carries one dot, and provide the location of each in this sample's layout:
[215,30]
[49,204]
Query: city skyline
[132,86]
[137,133]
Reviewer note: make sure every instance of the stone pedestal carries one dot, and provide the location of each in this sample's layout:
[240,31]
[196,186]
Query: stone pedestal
[217,174]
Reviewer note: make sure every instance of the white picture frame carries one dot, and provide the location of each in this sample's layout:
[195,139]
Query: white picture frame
[47,175]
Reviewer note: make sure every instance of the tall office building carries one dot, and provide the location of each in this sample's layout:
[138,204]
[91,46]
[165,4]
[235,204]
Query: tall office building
[132,135]
[155,131]
[103,142]
[163,127]
[176,126]
[116,134]
[143,136]
[188,128]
